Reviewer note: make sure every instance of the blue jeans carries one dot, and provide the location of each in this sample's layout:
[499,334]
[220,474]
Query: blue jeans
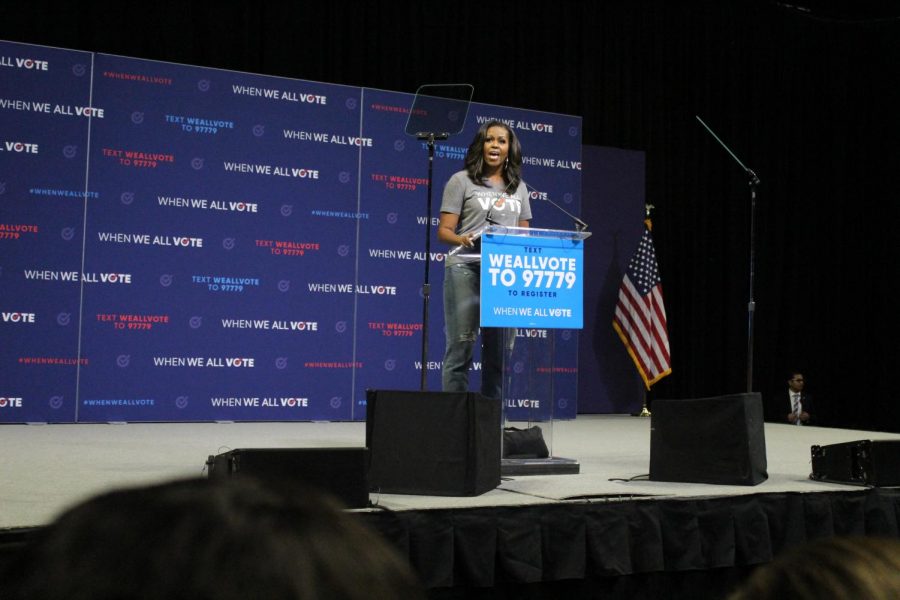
[461,318]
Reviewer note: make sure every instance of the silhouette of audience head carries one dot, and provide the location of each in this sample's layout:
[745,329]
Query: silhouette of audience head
[215,539]
[836,568]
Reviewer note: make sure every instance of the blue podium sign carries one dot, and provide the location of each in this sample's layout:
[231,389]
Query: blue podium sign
[532,278]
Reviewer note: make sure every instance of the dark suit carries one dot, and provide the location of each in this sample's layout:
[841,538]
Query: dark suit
[777,405]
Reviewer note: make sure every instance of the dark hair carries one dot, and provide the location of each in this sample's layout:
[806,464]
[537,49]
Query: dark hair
[512,171]
[835,568]
[200,539]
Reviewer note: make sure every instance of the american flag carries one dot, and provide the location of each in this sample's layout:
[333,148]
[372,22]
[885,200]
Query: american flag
[641,315]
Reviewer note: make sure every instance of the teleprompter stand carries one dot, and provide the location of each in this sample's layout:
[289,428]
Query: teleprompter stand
[438,111]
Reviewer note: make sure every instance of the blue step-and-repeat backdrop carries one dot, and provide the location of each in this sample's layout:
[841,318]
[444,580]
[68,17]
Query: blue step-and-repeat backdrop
[189,244]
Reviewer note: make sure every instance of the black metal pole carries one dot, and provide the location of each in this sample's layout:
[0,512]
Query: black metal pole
[426,287]
[751,304]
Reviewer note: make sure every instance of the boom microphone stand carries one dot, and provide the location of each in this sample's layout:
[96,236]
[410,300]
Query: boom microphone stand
[753,181]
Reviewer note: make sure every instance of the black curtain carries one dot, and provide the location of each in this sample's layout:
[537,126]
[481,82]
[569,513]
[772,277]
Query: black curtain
[804,93]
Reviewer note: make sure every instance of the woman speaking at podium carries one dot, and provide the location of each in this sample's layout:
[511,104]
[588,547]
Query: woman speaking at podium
[489,190]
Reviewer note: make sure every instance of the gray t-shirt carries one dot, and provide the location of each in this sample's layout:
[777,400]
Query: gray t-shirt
[473,203]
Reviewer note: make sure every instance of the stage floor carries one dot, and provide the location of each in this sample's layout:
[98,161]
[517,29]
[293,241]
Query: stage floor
[46,468]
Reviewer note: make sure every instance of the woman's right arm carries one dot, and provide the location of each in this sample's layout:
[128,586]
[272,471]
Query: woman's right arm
[447,231]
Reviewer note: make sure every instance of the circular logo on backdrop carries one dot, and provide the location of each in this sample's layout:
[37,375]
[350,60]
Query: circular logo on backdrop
[566,334]
[567,198]
[573,131]
[123,360]
[67,233]
[165,280]
[181,401]
[195,322]
[563,403]
[519,367]
[390,364]
[70,151]
[2,187]
[284,285]
[351,103]
[259,130]
[343,250]
[55,402]
[344,177]
[127,198]
[286,210]
[203,85]
[196,163]
[137,117]
[392,218]
[453,116]
[79,70]
[340,326]
[335,401]
[64,319]
[400,145]
[281,362]
[228,243]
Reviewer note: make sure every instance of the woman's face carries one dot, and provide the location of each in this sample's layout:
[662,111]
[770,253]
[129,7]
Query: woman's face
[496,146]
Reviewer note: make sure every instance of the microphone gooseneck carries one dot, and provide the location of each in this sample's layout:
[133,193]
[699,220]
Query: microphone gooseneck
[579,224]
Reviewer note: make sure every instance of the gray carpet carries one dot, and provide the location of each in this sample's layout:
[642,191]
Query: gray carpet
[46,468]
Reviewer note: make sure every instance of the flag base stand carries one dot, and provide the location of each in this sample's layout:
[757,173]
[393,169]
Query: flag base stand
[644,412]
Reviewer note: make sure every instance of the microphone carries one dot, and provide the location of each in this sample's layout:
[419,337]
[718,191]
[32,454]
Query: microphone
[579,224]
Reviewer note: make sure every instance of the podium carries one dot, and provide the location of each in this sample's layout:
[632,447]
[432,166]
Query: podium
[532,287]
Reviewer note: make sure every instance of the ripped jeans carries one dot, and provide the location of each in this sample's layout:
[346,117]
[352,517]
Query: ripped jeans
[461,318]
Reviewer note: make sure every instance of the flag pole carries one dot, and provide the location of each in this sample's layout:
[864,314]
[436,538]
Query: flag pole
[645,412]
[640,314]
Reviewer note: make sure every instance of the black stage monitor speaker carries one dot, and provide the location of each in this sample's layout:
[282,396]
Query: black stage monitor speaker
[863,462]
[432,443]
[338,471]
[709,440]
